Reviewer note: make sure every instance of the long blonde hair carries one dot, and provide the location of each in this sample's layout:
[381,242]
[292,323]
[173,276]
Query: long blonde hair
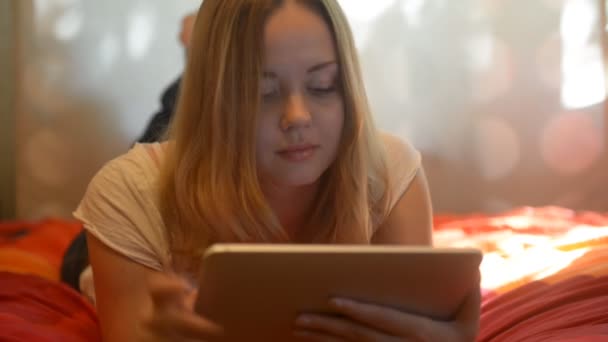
[209,188]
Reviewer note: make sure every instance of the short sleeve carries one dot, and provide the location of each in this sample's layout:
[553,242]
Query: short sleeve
[119,209]
[403,162]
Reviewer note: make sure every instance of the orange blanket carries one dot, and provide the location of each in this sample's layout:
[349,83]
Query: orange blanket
[36,247]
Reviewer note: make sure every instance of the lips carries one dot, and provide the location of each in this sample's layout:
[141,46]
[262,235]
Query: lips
[298,153]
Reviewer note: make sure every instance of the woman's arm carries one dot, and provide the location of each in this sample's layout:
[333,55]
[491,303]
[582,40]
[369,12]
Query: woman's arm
[410,222]
[120,291]
[136,303]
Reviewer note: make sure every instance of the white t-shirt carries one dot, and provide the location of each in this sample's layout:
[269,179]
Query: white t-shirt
[121,206]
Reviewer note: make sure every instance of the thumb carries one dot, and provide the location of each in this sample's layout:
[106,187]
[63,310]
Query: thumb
[168,291]
[190,300]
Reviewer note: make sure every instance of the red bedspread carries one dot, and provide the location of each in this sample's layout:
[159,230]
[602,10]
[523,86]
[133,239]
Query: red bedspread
[575,309]
[545,275]
[545,272]
[37,309]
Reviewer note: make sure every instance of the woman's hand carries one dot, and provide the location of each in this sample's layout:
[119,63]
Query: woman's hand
[365,322]
[172,316]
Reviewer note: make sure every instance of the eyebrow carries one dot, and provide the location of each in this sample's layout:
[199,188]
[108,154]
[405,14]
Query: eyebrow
[314,68]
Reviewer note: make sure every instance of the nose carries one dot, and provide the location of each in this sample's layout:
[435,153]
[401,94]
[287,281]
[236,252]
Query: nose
[296,113]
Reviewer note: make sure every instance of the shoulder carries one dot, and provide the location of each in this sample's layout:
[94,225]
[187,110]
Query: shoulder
[403,162]
[400,149]
[410,217]
[138,168]
[120,206]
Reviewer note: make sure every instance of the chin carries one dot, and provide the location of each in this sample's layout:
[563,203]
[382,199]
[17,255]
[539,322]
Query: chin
[304,181]
[301,179]
[305,174]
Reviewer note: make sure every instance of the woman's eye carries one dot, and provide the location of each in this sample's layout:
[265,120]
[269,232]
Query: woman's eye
[269,89]
[322,90]
[269,95]
[269,92]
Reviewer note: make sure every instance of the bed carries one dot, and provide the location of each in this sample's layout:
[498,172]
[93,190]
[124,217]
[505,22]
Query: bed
[544,272]
[544,276]
[34,304]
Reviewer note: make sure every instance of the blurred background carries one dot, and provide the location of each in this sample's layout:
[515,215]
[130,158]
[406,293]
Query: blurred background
[505,99]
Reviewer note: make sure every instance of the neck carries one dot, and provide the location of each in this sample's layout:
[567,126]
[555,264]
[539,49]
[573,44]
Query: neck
[291,204]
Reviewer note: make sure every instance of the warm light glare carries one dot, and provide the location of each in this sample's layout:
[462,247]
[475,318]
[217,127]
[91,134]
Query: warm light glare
[579,19]
[515,222]
[583,76]
[500,270]
[584,82]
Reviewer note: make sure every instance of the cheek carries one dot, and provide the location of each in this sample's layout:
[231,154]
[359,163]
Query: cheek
[266,132]
[266,128]
[340,120]
[333,121]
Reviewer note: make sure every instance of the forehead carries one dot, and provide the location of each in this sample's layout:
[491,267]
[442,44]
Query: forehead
[295,34]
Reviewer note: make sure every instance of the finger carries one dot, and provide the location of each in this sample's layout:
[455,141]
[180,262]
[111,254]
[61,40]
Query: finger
[471,307]
[468,316]
[340,327]
[190,300]
[388,320]
[196,327]
[185,325]
[311,335]
[168,292]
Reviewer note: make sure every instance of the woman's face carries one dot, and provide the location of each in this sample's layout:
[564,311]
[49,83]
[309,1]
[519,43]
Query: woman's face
[302,111]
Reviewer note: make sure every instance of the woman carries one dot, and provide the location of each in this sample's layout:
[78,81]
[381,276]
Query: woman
[272,142]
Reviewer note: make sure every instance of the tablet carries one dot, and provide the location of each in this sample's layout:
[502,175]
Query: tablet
[256,291]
